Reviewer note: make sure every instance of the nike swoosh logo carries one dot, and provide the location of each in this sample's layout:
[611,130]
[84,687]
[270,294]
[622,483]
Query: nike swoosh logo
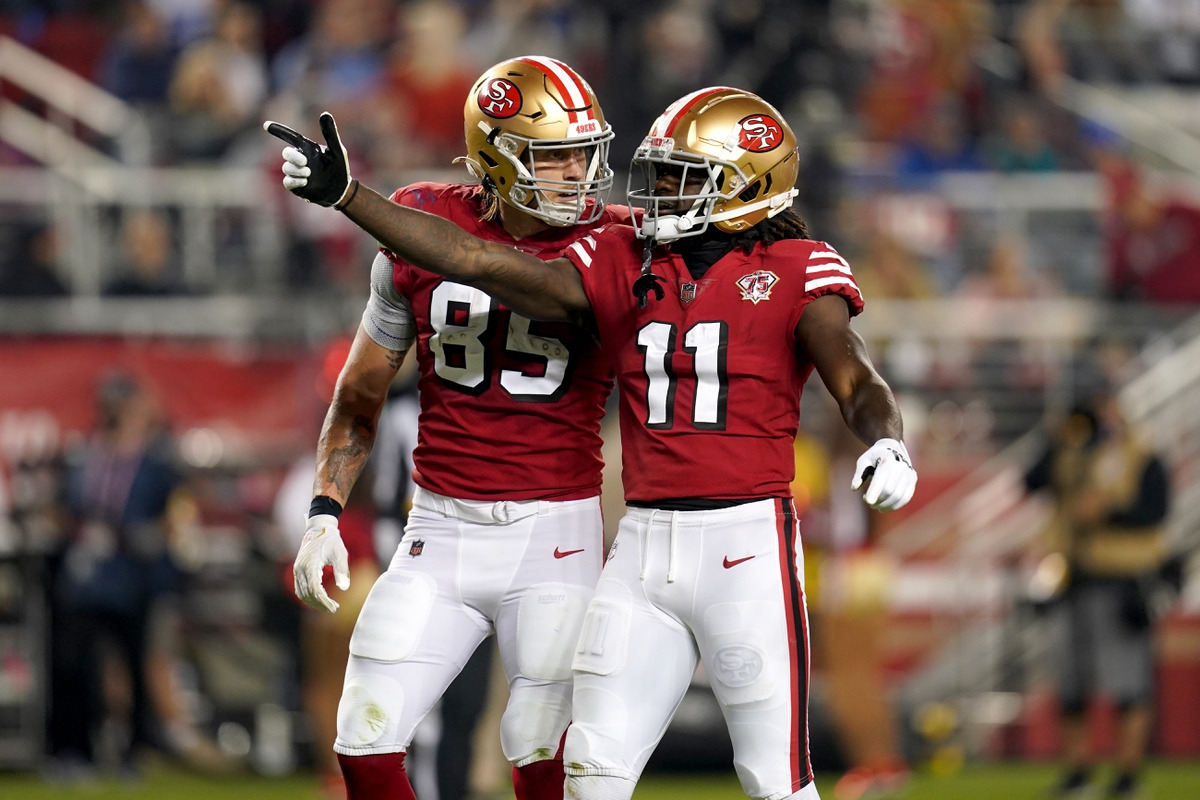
[729,563]
[559,554]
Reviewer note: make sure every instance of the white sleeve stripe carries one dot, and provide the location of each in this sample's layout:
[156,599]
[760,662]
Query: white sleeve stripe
[590,241]
[832,280]
[583,254]
[829,267]
[827,254]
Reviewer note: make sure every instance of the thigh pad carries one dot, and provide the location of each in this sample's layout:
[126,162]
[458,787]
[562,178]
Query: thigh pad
[739,639]
[604,640]
[548,624]
[395,615]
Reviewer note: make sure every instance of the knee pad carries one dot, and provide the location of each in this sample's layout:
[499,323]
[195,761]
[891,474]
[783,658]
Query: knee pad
[533,724]
[548,622]
[604,639]
[597,737]
[368,711]
[394,617]
[598,787]
[739,638]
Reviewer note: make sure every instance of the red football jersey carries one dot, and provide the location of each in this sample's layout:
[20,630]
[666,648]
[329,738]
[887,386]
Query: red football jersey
[710,376]
[510,409]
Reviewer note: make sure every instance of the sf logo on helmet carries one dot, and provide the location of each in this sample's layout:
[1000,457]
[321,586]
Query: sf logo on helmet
[758,133]
[499,99]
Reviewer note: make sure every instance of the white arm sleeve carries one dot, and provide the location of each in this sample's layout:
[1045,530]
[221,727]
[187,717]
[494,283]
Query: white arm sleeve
[388,319]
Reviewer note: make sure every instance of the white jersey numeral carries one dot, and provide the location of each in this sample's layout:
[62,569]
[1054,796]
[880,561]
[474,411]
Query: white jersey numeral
[524,345]
[464,321]
[707,342]
[656,341]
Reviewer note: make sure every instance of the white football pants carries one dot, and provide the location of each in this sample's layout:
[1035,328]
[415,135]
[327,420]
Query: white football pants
[466,569]
[721,586]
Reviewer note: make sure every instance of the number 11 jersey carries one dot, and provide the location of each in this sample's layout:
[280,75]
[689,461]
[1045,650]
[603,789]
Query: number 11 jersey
[710,376]
[510,408]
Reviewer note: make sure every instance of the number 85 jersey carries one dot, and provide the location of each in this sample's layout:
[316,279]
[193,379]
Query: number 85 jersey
[510,408]
[710,376]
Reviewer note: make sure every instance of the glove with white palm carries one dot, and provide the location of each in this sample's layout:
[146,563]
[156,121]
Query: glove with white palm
[322,546]
[318,173]
[890,472]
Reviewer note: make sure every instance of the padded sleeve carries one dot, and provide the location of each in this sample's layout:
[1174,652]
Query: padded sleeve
[388,319]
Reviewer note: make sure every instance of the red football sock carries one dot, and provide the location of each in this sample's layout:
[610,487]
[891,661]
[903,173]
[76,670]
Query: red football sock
[541,780]
[379,777]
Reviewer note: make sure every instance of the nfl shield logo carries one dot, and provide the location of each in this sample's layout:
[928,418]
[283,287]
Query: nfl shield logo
[417,546]
[687,292]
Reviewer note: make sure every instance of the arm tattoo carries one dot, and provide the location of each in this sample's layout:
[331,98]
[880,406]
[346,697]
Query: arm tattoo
[395,358]
[342,454]
[522,282]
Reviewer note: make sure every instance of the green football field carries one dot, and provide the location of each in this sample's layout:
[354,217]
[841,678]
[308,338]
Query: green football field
[1164,781]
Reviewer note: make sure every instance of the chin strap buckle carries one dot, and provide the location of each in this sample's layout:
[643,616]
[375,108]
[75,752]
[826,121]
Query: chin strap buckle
[648,282]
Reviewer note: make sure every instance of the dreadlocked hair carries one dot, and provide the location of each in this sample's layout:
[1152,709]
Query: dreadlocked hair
[784,225]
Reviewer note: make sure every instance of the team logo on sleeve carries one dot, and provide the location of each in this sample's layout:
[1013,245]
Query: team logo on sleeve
[418,547]
[759,133]
[757,285]
[499,98]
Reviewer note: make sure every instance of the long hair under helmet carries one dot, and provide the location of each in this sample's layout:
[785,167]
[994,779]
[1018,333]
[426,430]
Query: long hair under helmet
[536,103]
[742,147]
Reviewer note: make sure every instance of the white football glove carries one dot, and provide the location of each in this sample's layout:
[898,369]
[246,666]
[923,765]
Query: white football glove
[890,472]
[322,545]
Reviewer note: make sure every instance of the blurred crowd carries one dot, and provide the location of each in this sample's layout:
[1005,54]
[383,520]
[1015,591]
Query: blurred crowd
[886,96]
[167,574]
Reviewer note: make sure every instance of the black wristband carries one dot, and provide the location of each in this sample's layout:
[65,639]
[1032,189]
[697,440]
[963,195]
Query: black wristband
[353,187]
[323,504]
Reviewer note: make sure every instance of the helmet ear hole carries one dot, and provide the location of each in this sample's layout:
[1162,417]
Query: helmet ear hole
[491,162]
[751,192]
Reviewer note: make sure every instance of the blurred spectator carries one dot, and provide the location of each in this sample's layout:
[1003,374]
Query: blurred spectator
[888,269]
[428,82]
[679,51]
[1173,28]
[186,20]
[1112,494]
[34,272]
[146,244]
[847,582]
[139,65]
[340,59]
[116,570]
[340,66]
[1089,39]
[1022,145]
[1154,244]
[1007,275]
[922,51]
[325,638]
[220,83]
[942,145]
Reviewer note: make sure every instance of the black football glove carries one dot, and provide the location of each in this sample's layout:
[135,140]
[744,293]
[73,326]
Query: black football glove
[318,173]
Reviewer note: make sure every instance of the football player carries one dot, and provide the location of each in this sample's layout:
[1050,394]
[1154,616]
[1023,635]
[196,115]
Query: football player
[505,533]
[715,310]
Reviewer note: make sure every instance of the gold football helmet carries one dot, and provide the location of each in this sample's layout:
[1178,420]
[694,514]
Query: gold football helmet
[536,103]
[740,145]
